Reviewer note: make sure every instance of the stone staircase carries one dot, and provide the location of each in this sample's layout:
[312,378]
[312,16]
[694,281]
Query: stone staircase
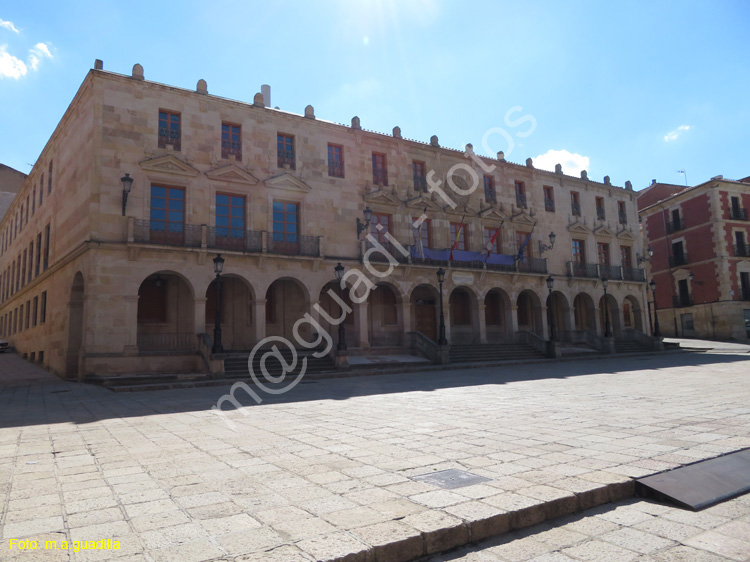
[160,381]
[493,352]
[236,367]
[628,346]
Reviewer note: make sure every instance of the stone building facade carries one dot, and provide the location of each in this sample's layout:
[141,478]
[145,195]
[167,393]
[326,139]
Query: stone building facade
[91,284]
[700,237]
[11,181]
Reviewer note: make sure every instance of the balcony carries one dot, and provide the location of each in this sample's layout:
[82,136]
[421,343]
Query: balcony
[336,170]
[391,249]
[612,272]
[169,136]
[167,234]
[300,246]
[420,183]
[285,158]
[682,301]
[675,225]
[231,148]
[600,214]
[526,265]
[521,200]
[678,260]
[575,209]
[623,218]
[234,239]
[532,265]
[742,250]
[737,214]
[633,274]
[380,176]
[549,205]
[589,270]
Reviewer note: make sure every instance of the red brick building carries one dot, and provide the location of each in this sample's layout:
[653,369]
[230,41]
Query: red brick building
[700,239]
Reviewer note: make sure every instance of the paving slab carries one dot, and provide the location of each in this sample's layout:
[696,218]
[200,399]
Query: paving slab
[329,470]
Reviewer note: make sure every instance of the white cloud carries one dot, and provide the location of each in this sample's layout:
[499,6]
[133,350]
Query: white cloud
[672,135]
[10,66]
[8,25]
[39,52]
[572,164]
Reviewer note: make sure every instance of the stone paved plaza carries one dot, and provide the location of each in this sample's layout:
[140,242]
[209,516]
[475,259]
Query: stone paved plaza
[324,472]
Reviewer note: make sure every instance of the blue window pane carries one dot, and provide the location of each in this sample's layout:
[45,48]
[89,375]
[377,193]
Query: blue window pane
[176,194]
[238,212]
[278,217]
[158,191]
[238,233]
[157,203]
[291,228]
[291,208]
[220,231]
[222,221]
[176,205]
[175,216]
[174,226]
[158,214]
[278,206]
[157,225]
[278,237]
[291,237]
[222,199]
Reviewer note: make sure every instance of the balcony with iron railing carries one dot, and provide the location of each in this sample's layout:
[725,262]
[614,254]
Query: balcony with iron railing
[623,218]
[589,270]
[742,250]
[682,301]
[336,169]
[169,136]
[285,158]
[678,260]
[231,148]
[600,213]
[737,214]
[234,239]
[549,205]
[521,200]
[633,274]
[420,183]
[613,272]
[674,225]
[380,176]
[294,246]
[575,209]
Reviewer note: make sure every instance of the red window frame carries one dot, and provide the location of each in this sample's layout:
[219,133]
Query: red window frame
[231,140]
[626,257]
[579,251]
[489,232]
[490,194]
[575,204]
[170,129]
[285,153]
[379,169]
[383,219]
[455,226]
[528,251]
[549,198]
[602,250]
[418,174]
[425,232]
[335,160]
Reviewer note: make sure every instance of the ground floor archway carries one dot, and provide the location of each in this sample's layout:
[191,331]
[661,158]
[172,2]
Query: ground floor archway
[424,305]
[529,313]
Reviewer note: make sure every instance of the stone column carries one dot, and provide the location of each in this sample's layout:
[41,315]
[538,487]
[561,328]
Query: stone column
[362,324]
[259,319]
[482,324]
[199,308]
[514,321]
[130,319]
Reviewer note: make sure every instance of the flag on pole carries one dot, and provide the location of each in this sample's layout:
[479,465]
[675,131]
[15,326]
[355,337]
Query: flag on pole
[491,243]
[524,244]
[458,237]
[418,233]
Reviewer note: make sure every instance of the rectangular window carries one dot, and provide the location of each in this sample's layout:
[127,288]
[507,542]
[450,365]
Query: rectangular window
[35,313]
[679,256]
[28,204]
[457,227]
[23,269]
[286,227]
[489,189]
[418,172]
[379,234]
[33,200]
[20,319]
[285,151]
[49,178]
[46,247]
[379,169]
[20,226]
[27,323]
[230,221]
[520,195]
[575,204]
[622,213]
[603,251]
[549,199]
[169,129]
[626,256]
[18,273]
[496,247]
[167,215]
[335,160]
[231,141]
[425,232]
[600,208]
[38,254]
[43,308]
[579,252]
[31,261]
[521,237]
[41,193]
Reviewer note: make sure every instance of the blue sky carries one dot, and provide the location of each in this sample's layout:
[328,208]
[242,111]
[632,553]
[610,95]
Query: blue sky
[634,90]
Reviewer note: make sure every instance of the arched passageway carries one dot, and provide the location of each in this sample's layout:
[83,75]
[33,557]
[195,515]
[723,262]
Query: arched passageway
[529,313]
[166,314]
[424,305]
[236,312]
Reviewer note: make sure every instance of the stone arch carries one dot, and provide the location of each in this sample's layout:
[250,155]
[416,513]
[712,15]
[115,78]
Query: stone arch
[497,316]
[425,310]
[529,312]
[237,296]
[614,315]
[75,327]
[287,301]
[384,313]
[559,309]
[463,315]
[632,314]
[166,314]
[584,313]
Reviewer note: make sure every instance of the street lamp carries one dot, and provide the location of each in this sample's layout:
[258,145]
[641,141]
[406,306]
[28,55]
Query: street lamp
[544,247]
[127,185]
[339,271]
[218,268]
[607,330]
[364,225]
[441,278]
[657,332]
[551,311]
[641,259]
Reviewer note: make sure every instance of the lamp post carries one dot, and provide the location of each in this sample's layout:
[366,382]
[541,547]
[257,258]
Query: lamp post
[127,185]
[364,225]
[657,332]
[551,311]
[218,268]
[607,329]
[339,271]
[544,247]
[441,278]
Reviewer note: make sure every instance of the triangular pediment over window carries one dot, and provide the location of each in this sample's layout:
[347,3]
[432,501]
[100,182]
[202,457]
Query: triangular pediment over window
[287,181]
[625,234]
[169,164]
[523,218]
[421,201]
[382,196]
[578,228]
[602,231]
[492,213]
[232,173]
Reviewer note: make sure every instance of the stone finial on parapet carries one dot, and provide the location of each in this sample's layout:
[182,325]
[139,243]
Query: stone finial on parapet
[628,185]
[310,112]
[584,175]
[98,64]
[434,141]
[201,87]
[137,72]
[501,156]
[607,180]
[355,123]
[397,132]
[558,169]
[529,163]
[258,100]
[469,149]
